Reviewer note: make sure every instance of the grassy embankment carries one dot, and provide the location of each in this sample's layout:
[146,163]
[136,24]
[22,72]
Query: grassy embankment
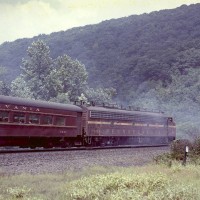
[164,179]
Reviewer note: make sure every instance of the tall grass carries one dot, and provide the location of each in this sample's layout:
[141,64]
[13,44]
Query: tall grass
[151,182]
[156,183]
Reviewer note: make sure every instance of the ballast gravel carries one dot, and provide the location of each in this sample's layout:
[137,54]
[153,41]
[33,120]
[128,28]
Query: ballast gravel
[62,161]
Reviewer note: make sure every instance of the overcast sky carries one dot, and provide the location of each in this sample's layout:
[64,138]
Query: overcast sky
[28,18]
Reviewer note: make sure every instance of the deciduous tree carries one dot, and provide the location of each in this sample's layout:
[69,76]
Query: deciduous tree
[36,70]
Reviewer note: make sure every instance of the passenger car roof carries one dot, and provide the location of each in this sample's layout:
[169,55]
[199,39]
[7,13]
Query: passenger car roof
[38,103]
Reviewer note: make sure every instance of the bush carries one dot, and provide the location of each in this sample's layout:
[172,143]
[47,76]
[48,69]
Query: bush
[196,147]
[178,148]
[178,153]
[165,159]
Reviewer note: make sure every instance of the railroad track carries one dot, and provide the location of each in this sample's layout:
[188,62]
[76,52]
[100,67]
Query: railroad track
[29,150]
[75,161]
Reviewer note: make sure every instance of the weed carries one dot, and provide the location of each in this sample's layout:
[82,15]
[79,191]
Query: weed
[18,192]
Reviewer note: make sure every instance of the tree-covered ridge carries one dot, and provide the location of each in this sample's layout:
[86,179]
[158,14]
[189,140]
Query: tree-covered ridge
[142,47]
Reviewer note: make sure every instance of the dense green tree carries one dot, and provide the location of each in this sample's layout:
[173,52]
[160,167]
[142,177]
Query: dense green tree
[4,88]
[48,79]
[60,80]
[20,88]
[100,95]
[36,69]
[61,98]
[189,58]
[69,76]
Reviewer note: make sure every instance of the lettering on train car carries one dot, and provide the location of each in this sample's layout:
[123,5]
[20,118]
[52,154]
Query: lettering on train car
[20,108]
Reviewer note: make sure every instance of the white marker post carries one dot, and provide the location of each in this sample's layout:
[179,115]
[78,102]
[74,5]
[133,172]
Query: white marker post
[185,155]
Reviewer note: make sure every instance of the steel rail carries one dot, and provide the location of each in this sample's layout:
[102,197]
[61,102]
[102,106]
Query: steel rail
[28,150]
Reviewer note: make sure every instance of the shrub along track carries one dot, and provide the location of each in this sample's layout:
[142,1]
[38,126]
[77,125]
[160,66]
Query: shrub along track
[62,161]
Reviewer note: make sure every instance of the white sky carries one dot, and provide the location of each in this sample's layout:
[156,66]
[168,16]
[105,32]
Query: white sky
[28,18]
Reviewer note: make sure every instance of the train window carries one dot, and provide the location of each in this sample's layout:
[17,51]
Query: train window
[4,116]
[60,121]
[19,117]
[34,119]
[47,119]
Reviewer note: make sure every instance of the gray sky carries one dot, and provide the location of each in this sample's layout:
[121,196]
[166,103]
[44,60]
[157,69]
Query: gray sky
[28,18]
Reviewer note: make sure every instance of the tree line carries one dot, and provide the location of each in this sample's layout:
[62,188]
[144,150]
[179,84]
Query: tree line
[60,80]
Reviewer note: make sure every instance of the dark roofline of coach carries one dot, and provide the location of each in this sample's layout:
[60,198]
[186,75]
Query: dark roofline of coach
[38,103]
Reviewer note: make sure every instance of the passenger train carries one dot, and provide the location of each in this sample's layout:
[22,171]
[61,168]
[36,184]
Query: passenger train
[32,123]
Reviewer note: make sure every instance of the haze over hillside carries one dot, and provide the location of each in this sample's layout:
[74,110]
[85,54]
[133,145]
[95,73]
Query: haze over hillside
[142,56]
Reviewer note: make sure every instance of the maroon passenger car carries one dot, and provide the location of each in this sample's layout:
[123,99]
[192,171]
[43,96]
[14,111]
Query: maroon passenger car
[30,123]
